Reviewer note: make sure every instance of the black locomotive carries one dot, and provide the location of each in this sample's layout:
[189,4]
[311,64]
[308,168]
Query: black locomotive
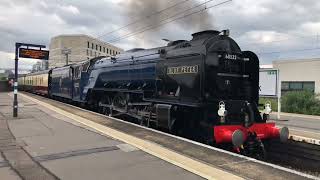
[205,88]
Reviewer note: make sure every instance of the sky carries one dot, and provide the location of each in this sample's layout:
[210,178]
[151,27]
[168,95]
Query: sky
[273,29]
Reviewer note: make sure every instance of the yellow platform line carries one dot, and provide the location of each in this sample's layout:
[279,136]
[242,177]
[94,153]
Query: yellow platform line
[194,166]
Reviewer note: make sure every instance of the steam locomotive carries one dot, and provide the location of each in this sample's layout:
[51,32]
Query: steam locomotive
[205,88]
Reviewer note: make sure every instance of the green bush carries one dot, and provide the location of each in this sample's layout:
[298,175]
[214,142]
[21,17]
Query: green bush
[302,102]
[2,78]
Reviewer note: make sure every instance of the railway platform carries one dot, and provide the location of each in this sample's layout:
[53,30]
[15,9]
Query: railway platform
[43,144]
[53,140]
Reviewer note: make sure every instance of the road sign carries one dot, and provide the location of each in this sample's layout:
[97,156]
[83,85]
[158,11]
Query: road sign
[268,82]
[33,53]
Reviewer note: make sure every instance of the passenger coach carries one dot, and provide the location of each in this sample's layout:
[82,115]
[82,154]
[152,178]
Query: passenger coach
[35,82]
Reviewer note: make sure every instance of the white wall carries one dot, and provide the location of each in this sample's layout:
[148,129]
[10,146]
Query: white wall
[300,70]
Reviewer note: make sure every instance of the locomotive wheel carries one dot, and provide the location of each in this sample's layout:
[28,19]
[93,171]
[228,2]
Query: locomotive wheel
[119,104]
[103,109]
[261,153]
[145,121]
[257,150]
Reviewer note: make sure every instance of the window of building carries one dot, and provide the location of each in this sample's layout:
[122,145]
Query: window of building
[96,47]
[309,86]
[297,86]
[95,54]
[88,44]
[92,46]
[285,86]
[112,52]
[100,48]
[87,52]
[107,51]
[90,52]
[104,49]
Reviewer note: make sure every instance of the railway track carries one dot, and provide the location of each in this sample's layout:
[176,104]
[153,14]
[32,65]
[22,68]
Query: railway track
[297,155]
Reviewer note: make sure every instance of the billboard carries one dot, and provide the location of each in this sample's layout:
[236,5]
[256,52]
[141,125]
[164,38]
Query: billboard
[33,53]
[268,82]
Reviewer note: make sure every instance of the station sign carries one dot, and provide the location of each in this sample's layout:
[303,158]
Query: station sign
[268,82]
[33,53]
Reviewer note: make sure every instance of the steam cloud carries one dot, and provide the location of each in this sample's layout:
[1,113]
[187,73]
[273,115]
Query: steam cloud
[137,9]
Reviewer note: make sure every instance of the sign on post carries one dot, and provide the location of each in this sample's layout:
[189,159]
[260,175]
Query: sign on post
[33,53]
[269,83]
[25,53]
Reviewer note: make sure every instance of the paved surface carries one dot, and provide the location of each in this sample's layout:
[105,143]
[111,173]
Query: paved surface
[43,144]
[154,142]
[301,125]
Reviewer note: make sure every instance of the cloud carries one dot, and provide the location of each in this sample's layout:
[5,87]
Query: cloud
[70,9]
[265,26]
[7,61]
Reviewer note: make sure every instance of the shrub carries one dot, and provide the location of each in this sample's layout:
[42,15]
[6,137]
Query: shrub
[273,101]
[302,102]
